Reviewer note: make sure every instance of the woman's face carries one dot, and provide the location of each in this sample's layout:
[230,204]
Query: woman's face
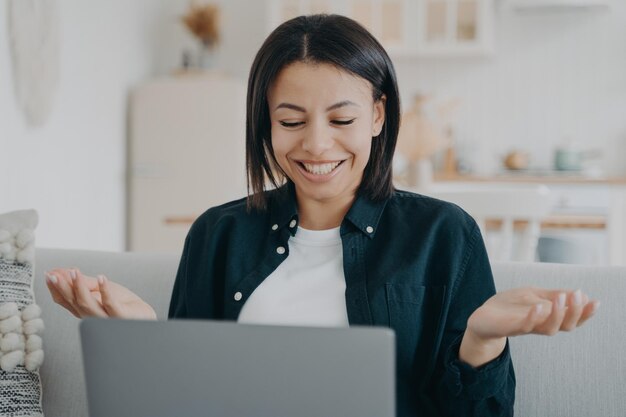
[322,122]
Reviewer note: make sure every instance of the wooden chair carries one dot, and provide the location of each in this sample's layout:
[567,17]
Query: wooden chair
[515,208]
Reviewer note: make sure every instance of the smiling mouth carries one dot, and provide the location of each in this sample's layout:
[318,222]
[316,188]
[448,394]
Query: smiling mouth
[320,169]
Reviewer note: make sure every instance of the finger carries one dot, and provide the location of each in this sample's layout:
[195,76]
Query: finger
[549,294]
[51,281]
[574,310]
[90,282]
[536,315]
[64,286]
[553,323]
[110,305]
[85,302]
[588,311]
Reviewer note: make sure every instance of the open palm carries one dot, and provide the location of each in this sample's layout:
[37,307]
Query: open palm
[530,310]
[86,296]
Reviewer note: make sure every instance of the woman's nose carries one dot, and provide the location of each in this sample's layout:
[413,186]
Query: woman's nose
[317,139]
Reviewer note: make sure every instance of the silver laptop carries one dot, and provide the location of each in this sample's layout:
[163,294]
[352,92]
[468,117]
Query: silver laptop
[209,368]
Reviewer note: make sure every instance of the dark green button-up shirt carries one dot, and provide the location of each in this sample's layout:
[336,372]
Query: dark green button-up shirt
[412,263]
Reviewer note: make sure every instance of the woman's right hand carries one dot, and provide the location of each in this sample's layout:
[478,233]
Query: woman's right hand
[85,296]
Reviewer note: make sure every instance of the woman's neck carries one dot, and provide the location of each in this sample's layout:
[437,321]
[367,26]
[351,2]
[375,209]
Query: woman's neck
[323,215]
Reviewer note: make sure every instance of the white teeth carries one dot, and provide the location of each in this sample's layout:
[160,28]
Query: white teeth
[321,169]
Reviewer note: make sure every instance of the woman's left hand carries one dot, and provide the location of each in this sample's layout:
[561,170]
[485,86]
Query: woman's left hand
[530,310]
[521,311]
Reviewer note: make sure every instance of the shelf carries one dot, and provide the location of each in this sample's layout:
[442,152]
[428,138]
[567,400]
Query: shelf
[542,179]
[558,4]
[557,221]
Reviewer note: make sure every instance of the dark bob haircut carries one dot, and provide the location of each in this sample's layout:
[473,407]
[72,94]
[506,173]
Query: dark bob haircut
[320,39]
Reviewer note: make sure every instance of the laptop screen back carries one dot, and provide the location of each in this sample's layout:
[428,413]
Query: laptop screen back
[210,368]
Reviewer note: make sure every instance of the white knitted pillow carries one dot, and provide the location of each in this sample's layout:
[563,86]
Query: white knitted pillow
[21,352]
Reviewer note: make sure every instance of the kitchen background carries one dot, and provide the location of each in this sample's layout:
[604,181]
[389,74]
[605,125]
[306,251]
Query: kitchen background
[556,77]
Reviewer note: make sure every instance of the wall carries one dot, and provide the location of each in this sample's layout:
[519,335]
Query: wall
[72,169]
[554,75]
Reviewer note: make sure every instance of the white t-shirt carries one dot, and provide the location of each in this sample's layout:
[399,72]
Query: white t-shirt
[307,289]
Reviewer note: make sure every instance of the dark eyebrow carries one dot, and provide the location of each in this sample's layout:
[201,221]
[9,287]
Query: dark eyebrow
[301,109]
[289,106]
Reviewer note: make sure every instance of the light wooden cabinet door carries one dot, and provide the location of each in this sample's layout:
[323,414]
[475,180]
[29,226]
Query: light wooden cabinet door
[387,20]
[455,27]
[186,154]
[408,27]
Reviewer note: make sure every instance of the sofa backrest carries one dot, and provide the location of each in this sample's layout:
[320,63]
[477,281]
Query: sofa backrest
[576,374]
[151,276]
[582,373]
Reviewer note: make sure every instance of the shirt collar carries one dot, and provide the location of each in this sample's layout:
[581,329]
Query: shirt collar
[364,213]
[284,209]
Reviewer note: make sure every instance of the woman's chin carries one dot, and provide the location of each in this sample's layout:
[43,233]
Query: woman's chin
[323,192]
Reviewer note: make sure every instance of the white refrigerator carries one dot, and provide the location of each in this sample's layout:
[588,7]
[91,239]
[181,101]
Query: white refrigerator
[186,153]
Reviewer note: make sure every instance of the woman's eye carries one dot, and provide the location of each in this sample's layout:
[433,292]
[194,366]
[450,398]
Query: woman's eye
[291,124]
[343,122]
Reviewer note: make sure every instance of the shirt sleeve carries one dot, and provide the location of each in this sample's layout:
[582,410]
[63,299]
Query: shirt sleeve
[488,390]
[178,303]
[199,285]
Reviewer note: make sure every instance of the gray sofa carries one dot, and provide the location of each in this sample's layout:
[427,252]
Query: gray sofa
[578,374]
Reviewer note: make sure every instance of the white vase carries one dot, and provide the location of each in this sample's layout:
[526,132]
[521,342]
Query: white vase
[206,57]
[421,173]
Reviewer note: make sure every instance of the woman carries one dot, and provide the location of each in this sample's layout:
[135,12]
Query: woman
[334,244]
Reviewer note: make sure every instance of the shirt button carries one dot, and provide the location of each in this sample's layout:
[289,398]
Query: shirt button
[280,250]
[274,227]
[292,224]
[369,229]
[238,296]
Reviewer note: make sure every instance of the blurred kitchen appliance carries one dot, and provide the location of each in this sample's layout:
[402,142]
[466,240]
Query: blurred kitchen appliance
[569,158]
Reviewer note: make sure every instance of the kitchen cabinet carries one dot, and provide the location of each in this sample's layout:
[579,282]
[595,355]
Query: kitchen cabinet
[387,20]
[587,210]
[455,27]
[186,154]
[408,28]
